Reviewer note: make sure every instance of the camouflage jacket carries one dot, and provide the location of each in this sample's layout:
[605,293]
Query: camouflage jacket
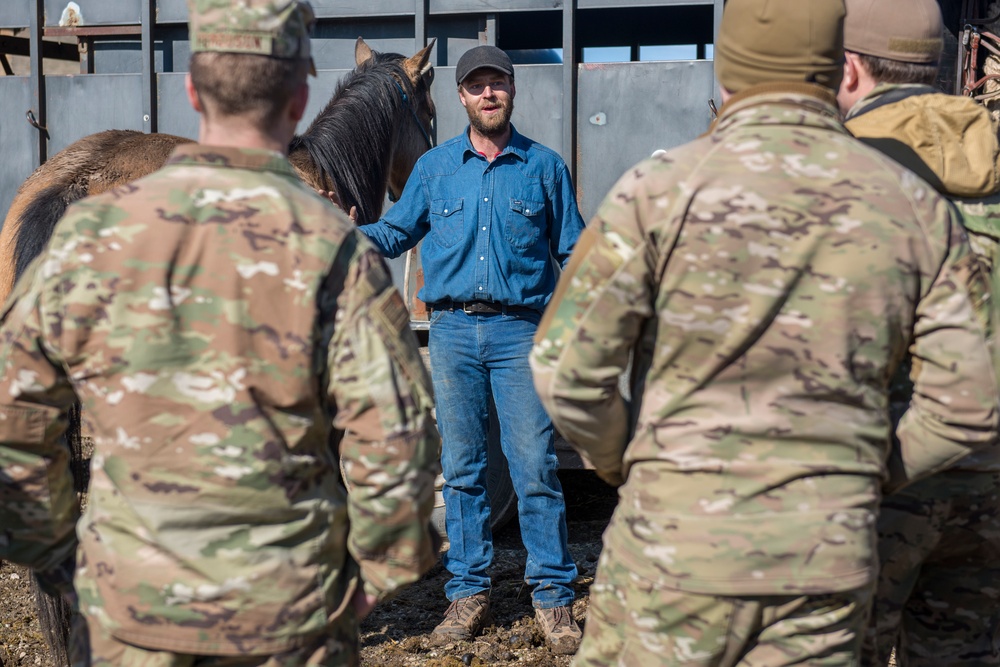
[951,141]
[767,278]
[227,332]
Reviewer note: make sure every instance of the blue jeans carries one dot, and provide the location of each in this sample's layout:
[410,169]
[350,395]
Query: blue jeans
[473,356]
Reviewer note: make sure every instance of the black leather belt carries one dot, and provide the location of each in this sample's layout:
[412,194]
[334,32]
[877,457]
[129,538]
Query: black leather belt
[481,307]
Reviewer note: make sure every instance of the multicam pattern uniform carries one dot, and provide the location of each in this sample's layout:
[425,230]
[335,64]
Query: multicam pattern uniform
[768,277]
[277,28]
[937,601]
[223,327]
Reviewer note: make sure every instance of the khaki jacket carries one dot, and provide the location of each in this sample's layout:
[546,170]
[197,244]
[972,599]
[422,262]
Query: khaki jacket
[951,142]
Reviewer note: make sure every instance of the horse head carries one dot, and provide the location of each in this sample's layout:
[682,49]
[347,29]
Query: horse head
[413,135]
[366,140]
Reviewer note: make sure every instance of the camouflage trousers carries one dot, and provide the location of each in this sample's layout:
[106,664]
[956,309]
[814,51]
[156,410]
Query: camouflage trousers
[938,595]
[338,647]
[634,622]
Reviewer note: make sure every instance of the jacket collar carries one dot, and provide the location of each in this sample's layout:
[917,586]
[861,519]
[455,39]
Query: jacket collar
[780,103]
[256,159]
[888,93]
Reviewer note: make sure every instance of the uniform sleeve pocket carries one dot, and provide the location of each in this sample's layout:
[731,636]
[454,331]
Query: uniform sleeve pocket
[447,221]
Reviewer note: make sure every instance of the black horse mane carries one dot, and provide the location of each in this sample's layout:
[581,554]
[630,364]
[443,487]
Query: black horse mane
[360,116]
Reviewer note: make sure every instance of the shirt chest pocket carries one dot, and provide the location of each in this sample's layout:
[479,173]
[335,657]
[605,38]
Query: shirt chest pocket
[447,221]
[525,222]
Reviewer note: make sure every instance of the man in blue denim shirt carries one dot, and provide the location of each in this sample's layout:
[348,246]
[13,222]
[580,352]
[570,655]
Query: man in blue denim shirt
[495,208]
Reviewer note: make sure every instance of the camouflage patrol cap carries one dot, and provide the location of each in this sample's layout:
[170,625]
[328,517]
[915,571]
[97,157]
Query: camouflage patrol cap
[275,28]
[762,41]
[913,33]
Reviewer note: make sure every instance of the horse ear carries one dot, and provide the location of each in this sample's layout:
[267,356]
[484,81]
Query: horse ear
[420,62]
[362,52]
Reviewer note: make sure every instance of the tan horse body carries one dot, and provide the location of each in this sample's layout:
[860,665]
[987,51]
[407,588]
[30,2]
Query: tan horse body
[92,165]
[99,162]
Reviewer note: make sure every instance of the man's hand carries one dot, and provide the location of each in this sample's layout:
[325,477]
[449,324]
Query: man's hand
[362,602]
[334,199]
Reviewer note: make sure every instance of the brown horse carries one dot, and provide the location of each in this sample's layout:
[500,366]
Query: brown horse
[362,144]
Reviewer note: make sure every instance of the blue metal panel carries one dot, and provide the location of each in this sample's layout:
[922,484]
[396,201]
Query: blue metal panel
[18,139]
[14,14]
[538,111]
[176,115]
[84,104]
[627,110]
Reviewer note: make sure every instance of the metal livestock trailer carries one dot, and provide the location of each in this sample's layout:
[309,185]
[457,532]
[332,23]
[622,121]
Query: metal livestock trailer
[601,116]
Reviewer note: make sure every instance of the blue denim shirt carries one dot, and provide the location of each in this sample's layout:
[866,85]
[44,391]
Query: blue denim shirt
[491,228]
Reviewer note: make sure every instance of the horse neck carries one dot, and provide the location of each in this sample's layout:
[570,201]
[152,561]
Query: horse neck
[350,142]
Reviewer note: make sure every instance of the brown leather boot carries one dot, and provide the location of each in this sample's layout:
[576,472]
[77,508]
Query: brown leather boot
[561,631]
[464,619]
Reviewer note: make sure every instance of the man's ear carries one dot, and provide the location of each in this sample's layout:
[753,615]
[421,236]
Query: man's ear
[192,94]
[850,80]
[461,96]
[299,101]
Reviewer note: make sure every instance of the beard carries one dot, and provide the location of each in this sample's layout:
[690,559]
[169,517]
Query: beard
[494,125]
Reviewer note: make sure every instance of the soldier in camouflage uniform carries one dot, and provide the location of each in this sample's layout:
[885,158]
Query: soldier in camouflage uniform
[230,336]
[766,279]
[937,600]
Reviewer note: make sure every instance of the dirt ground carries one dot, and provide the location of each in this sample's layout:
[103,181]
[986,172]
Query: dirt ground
[395,634]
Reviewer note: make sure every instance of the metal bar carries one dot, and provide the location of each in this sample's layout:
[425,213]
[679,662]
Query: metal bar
[86,48]
[6,65]
[94,31]
[491,29]
[570,61]
[421,15]
[715,38]
[36,22]
[148,67]
[20,46]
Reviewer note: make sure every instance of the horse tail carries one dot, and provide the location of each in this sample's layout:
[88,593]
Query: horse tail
[38,221]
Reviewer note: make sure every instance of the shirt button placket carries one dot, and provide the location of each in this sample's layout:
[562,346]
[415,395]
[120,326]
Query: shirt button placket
[485,214]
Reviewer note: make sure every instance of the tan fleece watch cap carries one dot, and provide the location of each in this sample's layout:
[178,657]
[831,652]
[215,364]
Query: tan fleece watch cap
[762,41]
[908,31]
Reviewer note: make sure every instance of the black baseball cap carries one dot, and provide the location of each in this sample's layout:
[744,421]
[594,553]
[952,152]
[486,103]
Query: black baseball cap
[482,56]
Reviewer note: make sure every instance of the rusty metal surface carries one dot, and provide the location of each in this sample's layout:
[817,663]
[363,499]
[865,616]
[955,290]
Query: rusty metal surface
[93,31]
